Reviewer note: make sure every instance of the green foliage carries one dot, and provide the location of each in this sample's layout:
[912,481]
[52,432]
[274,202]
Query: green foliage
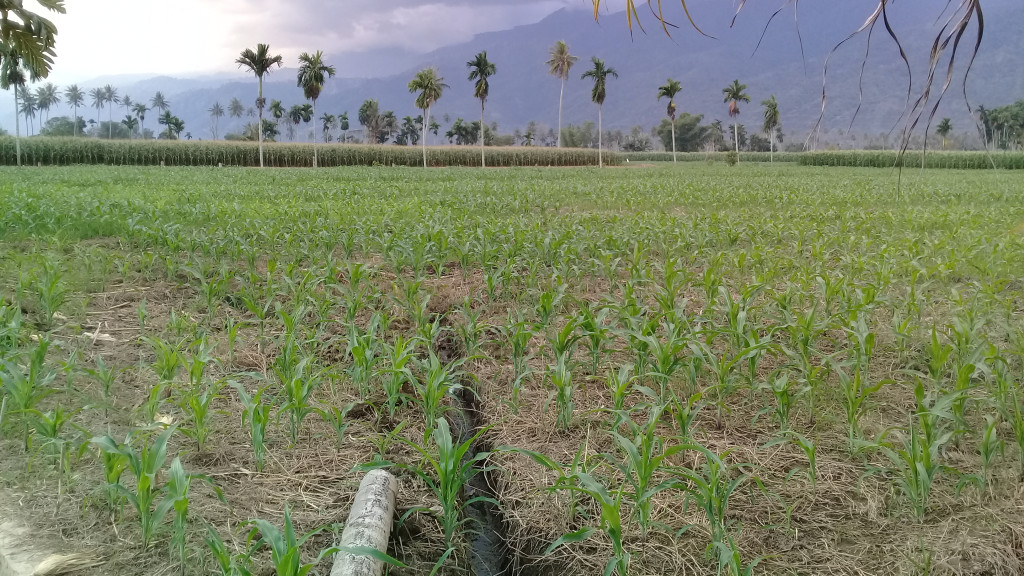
[66,152]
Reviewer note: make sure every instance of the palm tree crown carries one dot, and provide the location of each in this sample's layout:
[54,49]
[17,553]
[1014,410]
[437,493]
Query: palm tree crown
[481,69]
[74,95]
[669,90]
[158,102]
[260,63]
[599,73]
[313,72]
[430,87]
[771,114]
[734,94]
[560,61]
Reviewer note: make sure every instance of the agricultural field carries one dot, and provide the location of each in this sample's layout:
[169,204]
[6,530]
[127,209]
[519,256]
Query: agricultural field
[700,369]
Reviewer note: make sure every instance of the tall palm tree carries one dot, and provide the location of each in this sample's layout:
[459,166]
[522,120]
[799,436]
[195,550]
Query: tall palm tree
[158,103]
[943,129]
[47,97]
[11,74]
[260,63]
[599,73]
[128,104]
[216,112]
[771,124]
[99,100]
[669,90]
[29,107]
[140,109]
[167,119]
[313,72]
[111,96]
[236,109]
[75,97]
[559,64]
[734,94]
[480,69]
[430,87]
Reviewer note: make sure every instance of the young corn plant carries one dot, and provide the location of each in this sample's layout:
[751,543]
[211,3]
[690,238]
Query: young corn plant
[619,386]
[168,361]
[645,456]
[560,375]
[1014,415]
[105,376]
[685,411]
[857,392]
[598,334]
[337,418]
[176,500]
[398,356]
[804,330]
[255,414]
[437,381]
[364,349]
[518,332]
[52,292]
[196,407]
[807,446]
[285,546]
[915,461]
[711,487]
[25,391]
[297,388]
[447,469]
[785,392]
[144,465]
[471,329]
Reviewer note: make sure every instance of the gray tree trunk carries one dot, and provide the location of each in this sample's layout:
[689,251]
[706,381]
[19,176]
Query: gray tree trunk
[560,94]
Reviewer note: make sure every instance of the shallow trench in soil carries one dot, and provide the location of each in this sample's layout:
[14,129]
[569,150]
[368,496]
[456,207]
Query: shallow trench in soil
[489,552]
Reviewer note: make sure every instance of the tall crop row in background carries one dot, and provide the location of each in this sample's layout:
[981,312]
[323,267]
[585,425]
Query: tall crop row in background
[70,151]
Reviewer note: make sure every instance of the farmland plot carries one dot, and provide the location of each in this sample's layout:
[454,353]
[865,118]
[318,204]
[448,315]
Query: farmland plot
[760,369]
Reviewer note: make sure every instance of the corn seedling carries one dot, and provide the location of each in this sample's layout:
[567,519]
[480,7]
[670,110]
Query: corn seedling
[337,419]
[597,333]
[785,393]
[804,330]
[176,499]
[255,414]
[619,386]
[363,348]
[807,446]
[105,376]
[446,472]
[196,407]
[398,355]
[711,487]
[297,389]
[856,394]
[285,546]
[51,291]
[645,458]
[437,381]
[471,330]
[144,465]
[25,391]
[611,520]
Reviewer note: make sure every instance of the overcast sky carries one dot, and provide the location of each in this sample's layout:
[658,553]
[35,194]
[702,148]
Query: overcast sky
[104,37]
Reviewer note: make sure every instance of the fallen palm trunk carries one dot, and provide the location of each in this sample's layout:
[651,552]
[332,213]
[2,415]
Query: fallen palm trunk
[368,525]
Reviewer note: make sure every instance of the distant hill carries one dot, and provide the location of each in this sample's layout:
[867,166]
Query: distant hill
[523,91]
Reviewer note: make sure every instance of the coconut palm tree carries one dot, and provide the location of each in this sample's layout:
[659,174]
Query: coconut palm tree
[260,63]
[216,112]
[11,74]
[75,97]
[140,110]
[771,124]
[127,102]
[430,87]
[47,97]
[669,90]
[158,102]
[29,107]
[943,129]
[734,94]
[99,100]
[480,69]
[235,108]
[559,63]
[111,96]
[313,72]
[599,73]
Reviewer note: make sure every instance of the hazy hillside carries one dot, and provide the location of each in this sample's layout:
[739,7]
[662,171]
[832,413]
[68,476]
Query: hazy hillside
[523,91]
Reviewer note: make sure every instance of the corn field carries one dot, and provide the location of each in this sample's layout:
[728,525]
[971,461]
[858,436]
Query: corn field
[71,151]
[912,159]
[722,370]
[709,157]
